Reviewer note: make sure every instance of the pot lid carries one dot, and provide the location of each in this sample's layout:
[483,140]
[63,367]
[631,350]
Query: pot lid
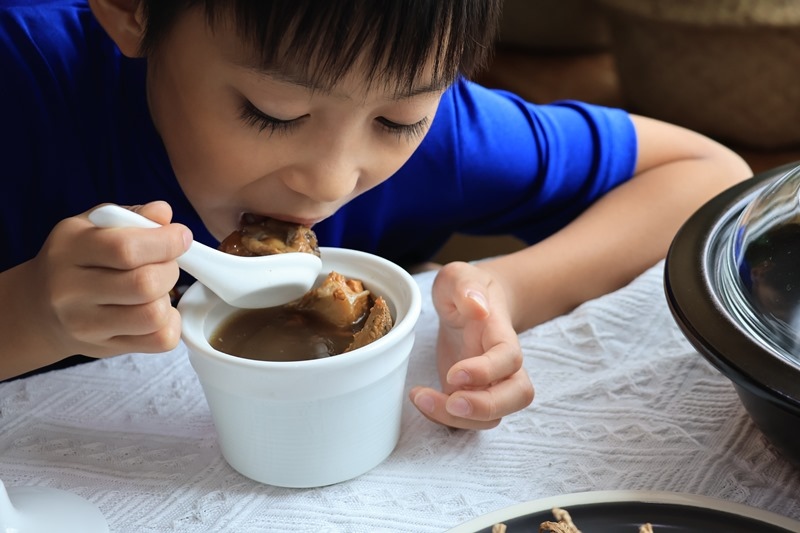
[741,316]
[760,275]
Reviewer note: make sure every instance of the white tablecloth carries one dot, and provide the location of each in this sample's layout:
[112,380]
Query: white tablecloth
[622,402]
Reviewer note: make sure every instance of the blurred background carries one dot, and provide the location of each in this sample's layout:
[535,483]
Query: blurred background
[727,68]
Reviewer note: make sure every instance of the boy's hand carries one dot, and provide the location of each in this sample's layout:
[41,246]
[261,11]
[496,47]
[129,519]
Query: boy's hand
[105,292]
[479,357]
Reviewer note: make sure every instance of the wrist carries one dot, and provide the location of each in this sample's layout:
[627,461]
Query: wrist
[30,338]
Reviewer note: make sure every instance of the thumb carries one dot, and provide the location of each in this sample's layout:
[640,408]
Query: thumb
[157,211]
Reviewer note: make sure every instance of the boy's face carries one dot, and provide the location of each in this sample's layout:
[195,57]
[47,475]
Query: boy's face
[243,140]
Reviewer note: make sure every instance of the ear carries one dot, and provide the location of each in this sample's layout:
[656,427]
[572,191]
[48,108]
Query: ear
[124,22]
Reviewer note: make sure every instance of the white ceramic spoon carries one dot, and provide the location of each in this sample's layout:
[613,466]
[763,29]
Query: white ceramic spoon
[246,282]
[47,510]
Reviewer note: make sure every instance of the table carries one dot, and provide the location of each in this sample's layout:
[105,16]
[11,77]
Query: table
[622,402]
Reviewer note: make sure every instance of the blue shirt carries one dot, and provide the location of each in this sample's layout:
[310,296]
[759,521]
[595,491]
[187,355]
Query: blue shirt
[76,132]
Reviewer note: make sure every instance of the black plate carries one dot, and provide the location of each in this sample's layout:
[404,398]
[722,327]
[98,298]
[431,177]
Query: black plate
[625,511]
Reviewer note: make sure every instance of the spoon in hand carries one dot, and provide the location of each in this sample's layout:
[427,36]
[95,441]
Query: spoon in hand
[246,282]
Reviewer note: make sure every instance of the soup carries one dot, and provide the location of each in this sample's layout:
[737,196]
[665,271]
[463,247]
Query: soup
[283,333]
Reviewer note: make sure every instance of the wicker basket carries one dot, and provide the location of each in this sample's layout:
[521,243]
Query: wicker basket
[726,68]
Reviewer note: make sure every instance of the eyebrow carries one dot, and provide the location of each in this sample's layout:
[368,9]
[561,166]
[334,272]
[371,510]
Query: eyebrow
[299,80]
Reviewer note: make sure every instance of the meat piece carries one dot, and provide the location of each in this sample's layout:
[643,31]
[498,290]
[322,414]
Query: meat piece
[378,324]
[343,302]
[266,236]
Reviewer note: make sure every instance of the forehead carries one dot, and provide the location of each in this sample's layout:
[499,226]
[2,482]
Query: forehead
[342,87]
[322,62]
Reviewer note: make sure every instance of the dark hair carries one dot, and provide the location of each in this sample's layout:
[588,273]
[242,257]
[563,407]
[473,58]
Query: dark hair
[325,38]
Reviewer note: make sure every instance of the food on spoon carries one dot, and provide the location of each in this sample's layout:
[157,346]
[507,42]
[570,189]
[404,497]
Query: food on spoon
[258,236]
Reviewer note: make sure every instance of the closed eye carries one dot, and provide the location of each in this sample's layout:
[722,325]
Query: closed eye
[410,131]
[254,117]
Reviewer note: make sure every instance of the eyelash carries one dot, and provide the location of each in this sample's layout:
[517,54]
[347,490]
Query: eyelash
[254,117]
[409,131]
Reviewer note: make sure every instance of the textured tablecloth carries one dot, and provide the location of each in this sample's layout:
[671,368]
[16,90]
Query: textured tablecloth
[622,402]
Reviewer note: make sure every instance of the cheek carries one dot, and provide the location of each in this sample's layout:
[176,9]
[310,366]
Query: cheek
[392,153]
[206,143]
[389,158]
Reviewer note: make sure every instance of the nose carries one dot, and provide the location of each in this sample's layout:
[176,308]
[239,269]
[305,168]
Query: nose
[327,175]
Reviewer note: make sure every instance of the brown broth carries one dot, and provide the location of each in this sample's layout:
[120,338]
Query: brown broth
[282,333]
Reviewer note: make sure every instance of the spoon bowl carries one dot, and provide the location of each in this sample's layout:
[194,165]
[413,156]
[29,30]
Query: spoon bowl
[245,282]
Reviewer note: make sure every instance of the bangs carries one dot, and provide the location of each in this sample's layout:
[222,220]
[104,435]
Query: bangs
[397,41]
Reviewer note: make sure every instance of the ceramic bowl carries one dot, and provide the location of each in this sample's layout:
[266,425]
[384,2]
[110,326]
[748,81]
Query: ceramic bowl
[316,422]
[732,280]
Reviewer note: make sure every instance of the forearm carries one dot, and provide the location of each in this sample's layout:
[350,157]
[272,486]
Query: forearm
[28,342]
[617,238]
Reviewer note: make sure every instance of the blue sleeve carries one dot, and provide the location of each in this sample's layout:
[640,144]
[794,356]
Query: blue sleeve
[28,104]
[492,164]
[75,128]
[534,168]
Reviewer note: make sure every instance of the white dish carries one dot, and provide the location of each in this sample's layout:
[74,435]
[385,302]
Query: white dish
[47,510]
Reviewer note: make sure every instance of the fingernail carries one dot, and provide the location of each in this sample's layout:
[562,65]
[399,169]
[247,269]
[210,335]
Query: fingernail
[424,402]
[461,377]
[459,407]
[187,239]
[479,298]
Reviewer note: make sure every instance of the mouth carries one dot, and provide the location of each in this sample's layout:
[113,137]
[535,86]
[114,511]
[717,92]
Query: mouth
[250,218]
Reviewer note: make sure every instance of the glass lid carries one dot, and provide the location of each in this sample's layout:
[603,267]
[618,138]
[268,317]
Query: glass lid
[760,281]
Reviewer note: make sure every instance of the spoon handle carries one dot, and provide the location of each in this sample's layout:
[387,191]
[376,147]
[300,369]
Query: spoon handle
[114,216]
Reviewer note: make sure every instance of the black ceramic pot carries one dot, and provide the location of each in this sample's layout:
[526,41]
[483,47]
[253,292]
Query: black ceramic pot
[732,281]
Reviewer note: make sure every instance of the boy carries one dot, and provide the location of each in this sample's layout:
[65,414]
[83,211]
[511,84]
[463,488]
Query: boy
[303,110]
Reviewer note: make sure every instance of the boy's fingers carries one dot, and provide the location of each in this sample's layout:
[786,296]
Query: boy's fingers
[473,304]
[493,403]
[432,404]
[475,409]
[163,340]
[129,248]
[501,361]
[158,211]
[126,287]
[102,323]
